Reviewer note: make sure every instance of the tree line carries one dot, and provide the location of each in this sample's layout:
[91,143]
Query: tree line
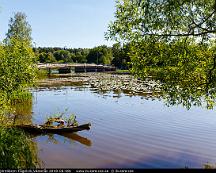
[116,55]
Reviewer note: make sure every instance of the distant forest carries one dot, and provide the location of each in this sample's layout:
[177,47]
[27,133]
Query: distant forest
[116,55]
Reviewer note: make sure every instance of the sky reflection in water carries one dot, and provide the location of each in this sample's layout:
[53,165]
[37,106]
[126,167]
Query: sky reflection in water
[127,131]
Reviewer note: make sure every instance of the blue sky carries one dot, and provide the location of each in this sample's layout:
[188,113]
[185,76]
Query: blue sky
[60,23]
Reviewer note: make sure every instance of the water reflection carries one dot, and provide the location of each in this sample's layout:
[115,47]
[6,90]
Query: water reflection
[23,151]
[23,112]
[173,93]
[127,130]
[190,92]
[23,116]
[82,140]
[188,86]
[52,138]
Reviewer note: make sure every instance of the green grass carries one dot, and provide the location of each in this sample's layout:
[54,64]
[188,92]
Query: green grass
[42,74]
[122,71]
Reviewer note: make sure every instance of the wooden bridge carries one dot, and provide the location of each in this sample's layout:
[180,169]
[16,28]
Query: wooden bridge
[75,68]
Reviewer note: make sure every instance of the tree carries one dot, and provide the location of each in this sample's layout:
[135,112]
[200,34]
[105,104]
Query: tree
[19,28]
[46,57]
[100,55]
[63,55]
[17,69]
[173,41]
[137,20]
[80,56]
[17,73]
[120,56]
[66,55]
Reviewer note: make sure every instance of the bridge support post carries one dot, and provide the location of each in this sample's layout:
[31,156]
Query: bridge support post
[49,72]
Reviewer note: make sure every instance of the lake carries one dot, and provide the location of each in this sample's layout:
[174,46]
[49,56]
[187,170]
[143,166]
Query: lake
[126,132]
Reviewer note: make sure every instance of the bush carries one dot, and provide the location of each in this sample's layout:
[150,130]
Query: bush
[16,150]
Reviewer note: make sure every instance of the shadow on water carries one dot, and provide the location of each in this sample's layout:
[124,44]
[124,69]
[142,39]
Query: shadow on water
[71,136]
[82,140]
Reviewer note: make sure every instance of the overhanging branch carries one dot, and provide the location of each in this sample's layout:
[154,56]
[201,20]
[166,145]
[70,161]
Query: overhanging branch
[181,34]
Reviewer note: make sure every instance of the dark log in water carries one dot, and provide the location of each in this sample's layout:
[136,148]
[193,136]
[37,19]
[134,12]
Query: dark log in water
[57,130]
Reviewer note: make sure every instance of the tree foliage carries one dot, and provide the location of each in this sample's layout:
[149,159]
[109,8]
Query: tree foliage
[16,66]
[17,58]
[173,41]
[17,69]
[19,28]
[100,55]
[121,58]
[17,73]
[63,55]
[168,19]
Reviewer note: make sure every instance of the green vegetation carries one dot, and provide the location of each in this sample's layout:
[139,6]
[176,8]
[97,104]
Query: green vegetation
[209,166]
[164,20]
[60,120]
[115,55]
[16,150]
[100,55]
[42,74]
[19,28]
[172,41]
[121,59]
[122,72]
[16,66]
[17,74]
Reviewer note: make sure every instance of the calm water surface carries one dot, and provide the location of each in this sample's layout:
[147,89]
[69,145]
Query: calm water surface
[126,132]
